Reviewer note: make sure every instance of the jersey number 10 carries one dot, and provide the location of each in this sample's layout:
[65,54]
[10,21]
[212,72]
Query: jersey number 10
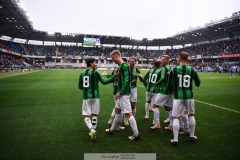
[152,78]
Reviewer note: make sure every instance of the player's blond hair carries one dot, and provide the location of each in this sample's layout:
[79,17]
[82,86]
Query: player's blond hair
[115,52]
[134,58]
[166,56]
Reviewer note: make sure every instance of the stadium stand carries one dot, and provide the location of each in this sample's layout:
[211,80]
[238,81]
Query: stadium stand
[216,43]
[202,54]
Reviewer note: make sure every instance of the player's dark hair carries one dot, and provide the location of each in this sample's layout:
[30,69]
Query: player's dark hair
[184,56]
[124,59]
[89,61]
[157,63]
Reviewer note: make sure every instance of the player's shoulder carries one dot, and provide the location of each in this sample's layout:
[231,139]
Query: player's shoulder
[84,71]
[124,65]
[169,67]
[96,71]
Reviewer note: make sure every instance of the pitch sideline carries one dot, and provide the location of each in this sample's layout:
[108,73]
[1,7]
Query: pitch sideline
[217,106]
[210,104]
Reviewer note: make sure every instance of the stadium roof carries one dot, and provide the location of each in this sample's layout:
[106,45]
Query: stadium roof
[15,23]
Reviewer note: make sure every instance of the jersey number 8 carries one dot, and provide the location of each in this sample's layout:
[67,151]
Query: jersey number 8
[85,81]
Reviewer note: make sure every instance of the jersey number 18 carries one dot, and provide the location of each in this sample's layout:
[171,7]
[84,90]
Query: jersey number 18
[184,81]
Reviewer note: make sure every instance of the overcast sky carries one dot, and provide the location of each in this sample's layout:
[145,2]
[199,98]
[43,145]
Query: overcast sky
[131,18]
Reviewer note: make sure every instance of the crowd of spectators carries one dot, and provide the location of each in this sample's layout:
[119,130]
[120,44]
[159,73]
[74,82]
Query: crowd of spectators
[217,48]
[10,61]
[72,51]
[231,46]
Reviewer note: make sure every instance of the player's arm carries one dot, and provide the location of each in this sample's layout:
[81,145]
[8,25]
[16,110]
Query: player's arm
[80,82]
[104,73]
[134,80]
[140,76]
[196,79]
[108,76]
[161,77]
[170,82]
[145,79]
[101,79]
[115,77]
[126,79]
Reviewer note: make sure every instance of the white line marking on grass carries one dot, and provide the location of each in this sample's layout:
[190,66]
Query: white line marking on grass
[18,73]
[210,104]
[218,106]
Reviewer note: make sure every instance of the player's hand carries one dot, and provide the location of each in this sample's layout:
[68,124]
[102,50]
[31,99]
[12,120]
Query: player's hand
[155,87]
[134,81]
[138,74]
[117,96]
[116,74]
[104,73]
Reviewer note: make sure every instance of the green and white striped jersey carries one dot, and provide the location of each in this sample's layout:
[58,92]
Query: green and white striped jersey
[88,82]
[133,76]
[124,79]
[150,79]
[115,81]
[180,82]
[162,82]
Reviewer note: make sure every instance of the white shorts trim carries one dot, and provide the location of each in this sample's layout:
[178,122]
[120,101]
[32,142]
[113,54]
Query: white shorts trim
[116,103]
[150,96]
[125,104]
[90,106]
[163,100]
[179,106]
[133,95]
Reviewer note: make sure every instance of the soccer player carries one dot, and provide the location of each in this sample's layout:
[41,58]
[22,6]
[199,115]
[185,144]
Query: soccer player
[133,96]
[116,101]
[238,70]
[134,71]
[149,81]
[181,83]
[232,69]
[163,97]
[208,70]
[202,69]
[88,82]
[124,96]
[220,71]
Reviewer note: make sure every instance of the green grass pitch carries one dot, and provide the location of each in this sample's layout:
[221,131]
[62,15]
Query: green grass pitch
[40,118]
